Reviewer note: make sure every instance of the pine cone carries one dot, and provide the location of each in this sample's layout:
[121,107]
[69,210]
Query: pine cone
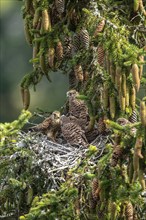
[100,53]
[76,42]
[84,38]
[99,28]
[59,51]
[133,117]
[129,211]
[95,188]
[60,6]
[79,72]
[67,47]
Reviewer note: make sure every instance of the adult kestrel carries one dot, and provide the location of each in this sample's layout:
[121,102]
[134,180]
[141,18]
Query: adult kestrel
[72,132]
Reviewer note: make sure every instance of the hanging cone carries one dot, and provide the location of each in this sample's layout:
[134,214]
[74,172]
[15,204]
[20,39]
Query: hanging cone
[60,6]
[95,189]
[129,211]
[46,22]
[59,51]
[100,55]
[51,56]
[133,117]
[99,28]
[76,42]
[112,106]
[133,97]
[79,72]
[67,47]
[135,76]
[84,39]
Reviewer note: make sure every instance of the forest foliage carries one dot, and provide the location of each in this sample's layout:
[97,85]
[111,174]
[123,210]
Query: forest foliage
[100,46]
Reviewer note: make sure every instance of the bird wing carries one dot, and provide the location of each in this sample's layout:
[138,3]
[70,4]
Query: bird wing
[42,126]
[74,134]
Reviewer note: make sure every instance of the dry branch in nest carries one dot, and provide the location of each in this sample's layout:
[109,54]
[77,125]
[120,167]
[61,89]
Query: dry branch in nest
[56,159]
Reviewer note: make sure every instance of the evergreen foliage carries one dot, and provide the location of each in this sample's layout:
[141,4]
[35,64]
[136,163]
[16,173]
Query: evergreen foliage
[101,46]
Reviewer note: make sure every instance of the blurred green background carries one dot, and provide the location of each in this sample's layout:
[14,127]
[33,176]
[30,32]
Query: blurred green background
[14,64]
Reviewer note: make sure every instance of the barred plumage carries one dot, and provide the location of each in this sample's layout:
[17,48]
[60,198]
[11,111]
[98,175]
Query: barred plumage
[133,117]
[91,135]
[79,73]
[117,152]
[100,55]
[49,126]
[84,39]
[72,132]
[60,6]
[129,211]
[99,28]
[59,51]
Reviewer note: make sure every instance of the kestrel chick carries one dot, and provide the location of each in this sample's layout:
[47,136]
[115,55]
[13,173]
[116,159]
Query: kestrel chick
[77,108]
[49,126]
[72,132]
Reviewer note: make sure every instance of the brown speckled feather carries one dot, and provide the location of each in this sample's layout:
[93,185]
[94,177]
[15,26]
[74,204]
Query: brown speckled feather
[49,126]
[72,132]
